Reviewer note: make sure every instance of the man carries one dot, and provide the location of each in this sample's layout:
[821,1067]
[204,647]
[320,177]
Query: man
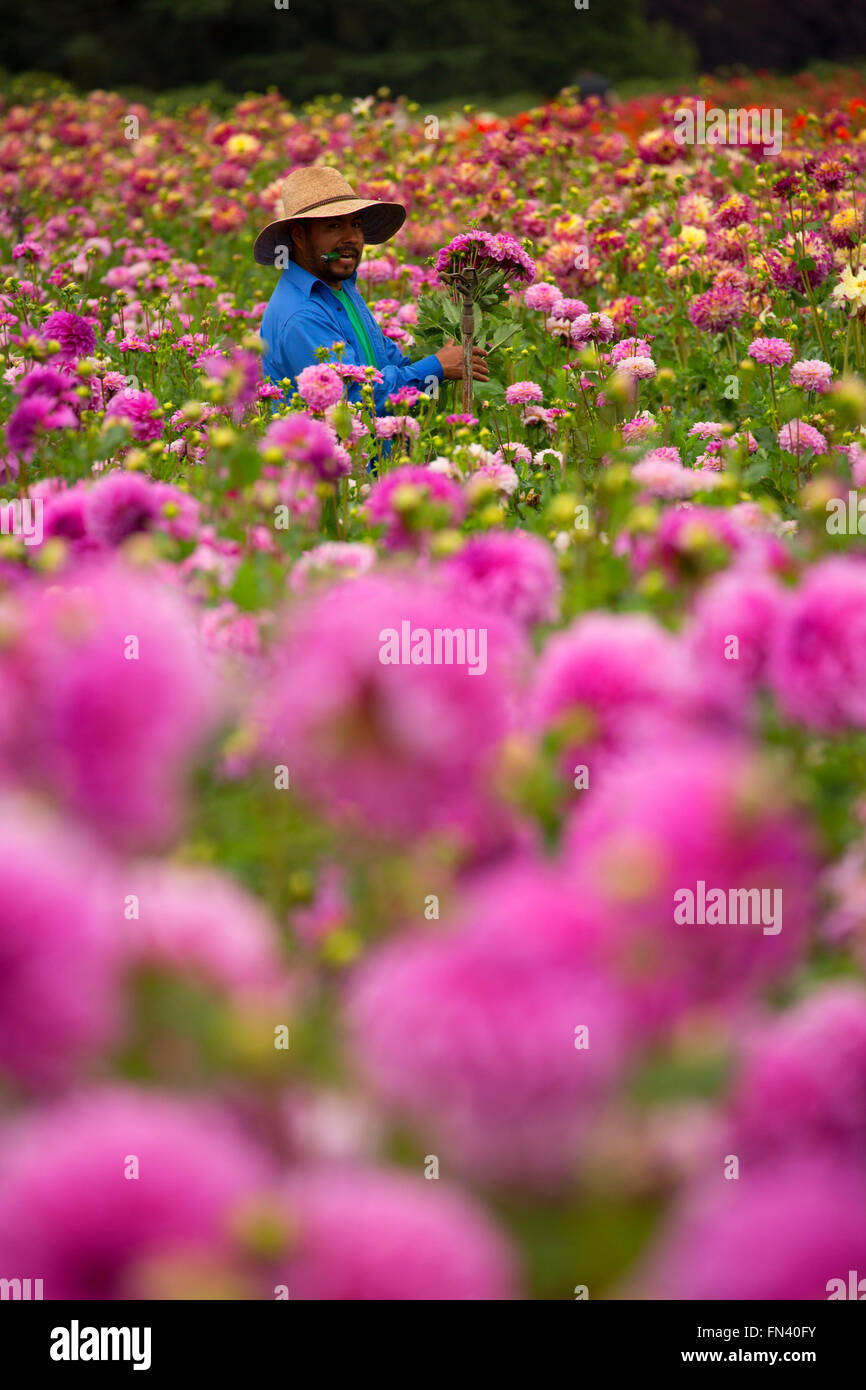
[317,244]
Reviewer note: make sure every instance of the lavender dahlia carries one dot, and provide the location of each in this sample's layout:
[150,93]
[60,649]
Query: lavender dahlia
[717,309]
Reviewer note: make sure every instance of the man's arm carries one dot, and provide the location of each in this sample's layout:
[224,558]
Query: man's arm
[302,334]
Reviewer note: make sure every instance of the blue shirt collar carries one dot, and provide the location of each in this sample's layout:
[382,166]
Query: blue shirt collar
[306,282]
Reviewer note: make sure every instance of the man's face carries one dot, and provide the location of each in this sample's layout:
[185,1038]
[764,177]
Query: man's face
[319,235]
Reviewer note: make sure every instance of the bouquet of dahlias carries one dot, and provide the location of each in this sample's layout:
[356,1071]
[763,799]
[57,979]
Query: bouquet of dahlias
[475,267]
[496,259]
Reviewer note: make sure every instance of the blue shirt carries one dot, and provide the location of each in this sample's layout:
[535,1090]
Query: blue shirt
[304,314]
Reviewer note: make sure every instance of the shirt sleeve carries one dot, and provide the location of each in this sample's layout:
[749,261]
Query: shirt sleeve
[301,334]
[400,370]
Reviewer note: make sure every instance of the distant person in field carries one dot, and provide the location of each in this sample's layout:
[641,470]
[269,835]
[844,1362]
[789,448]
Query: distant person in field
[317,246]
[592,84]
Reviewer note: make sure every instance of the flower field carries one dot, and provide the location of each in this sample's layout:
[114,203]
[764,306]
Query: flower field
[434,841]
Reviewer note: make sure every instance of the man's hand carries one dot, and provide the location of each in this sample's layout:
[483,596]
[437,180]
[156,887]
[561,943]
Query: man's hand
[451,357]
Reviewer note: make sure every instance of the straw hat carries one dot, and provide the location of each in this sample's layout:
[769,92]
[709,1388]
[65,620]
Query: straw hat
[320,191]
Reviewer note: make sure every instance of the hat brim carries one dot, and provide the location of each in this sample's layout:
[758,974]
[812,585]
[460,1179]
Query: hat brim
[380,222]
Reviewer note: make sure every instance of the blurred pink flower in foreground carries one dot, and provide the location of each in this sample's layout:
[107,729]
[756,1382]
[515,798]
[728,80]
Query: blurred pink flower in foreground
[59,979]
[201,923]
[598,674]
[801,1082]
[366,1234]
[514,573]
[740,604]
[783,1231]
[69,1210]
[684,811]
[400,748]
[111,697]
[818,658]
[473,1034]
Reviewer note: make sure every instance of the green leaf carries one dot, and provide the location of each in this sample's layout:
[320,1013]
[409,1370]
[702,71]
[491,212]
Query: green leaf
[502,335]
[756,471]
[248,590]
[245,466]
[766,436]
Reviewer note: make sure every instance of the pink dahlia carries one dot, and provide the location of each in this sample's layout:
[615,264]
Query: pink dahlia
[734,210]
[641,426]
[521,392]
[784,1232]
[542,296]
[692,540]
[393,426]
[660,477]
[74,334]
[729,635]
[96,1189]
[511,572]
[48,403]
[308,443]
[638,368]
[597,675]
[502,476]
[817,666]
[471,1035]
[397,745]
[319,386]
[707,429]
[783,261]
[139,409]
[598,328]
[64,516]
[801,1080]
[630,347]
[570,309]
[796,436]
[680,812]
[411,501]
[487,253]
[111,697]
[362,1234]
[811,374]
[120,504]
[201,923]
[771,352]
[240,374]
[328,561]
[58,957]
